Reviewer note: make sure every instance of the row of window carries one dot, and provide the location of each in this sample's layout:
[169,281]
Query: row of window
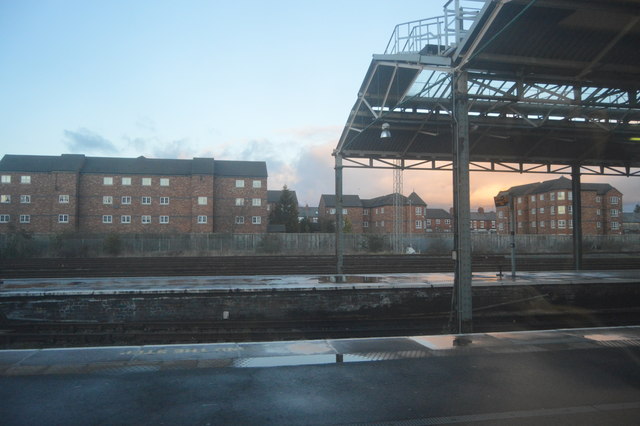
[380,210]
[7,179]
[106,199]
[561,196]
[254,184]
[256,220]
[560,224]
[126,219]
[256,202]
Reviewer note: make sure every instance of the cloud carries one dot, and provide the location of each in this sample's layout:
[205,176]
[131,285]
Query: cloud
[176,149]
[87,142]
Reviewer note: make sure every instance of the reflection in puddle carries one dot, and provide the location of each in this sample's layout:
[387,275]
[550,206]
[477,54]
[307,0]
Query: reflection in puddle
[348,279]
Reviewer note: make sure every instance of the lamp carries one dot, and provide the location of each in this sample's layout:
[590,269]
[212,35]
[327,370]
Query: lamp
[386,133]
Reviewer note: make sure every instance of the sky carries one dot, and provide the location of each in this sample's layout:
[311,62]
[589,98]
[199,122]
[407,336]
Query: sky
[255,80]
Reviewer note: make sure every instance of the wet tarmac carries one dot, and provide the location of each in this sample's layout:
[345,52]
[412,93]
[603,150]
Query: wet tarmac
[69,286]
[571,376]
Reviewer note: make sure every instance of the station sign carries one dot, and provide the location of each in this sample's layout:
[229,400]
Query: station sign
[501,200]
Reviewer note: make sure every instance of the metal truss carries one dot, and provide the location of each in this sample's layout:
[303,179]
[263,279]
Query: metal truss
[490,166]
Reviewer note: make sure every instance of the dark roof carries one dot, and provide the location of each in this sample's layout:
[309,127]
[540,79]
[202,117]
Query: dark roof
[562,183]
[483,216]
[42,163]
[631,217]
[347,200]
[388,200]
[133,166]
[257,169]
[436,214]
[274,196]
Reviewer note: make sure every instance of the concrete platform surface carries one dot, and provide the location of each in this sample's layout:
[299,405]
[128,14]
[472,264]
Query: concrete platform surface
[570,376]
[138,285]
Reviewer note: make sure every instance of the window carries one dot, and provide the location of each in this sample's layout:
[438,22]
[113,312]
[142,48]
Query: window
[552,196]
[256,202]
[146,181]
[561,209]
[533,224]
[501,226]
[5,179]
[447,221]
[125,219]
[429,222]
[202,219]
[519,224]
[570,194]
[598,212]
[125,199]
[382,223]
[493,224]
[541,210]
[570,223]
[418,224]
[519,200]
[542,224]
[107,199]
[614,212]
[63,218]
[598,199]
[519,212]
[500,214]
[164,220]
[256,220]
[344,211]
[107,218]
[533,198]
[146,200]
[437,221]
[164,181]
[614,200]
[562,224]
[533,211]
[257,184]
[5,199]
[541,197]
[239,220]
[164,201]
[146,219]
[365,224]
[598,225]
[365,212]
[553,210]
[5,218]
[560,195]
[202,201]
[107,181]
[126,181]
[418,211]
[63,199]
[25,218]
[25,199]
[382,210]
[482,224]
[25,179]
[474,224]
[239,184]
[553,224]
[239,201]
[570,209]
[332,211]
[615,225]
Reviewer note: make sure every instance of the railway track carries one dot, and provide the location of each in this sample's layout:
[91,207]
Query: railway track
[288,265]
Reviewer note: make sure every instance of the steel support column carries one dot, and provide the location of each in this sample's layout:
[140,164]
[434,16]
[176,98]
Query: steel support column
[461,204]
[339,231]
[577,216]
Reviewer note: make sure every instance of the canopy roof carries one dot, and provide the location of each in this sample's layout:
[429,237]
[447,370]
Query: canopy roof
[550,82]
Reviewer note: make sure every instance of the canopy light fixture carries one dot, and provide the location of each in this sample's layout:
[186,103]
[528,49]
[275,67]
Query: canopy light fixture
[386,133]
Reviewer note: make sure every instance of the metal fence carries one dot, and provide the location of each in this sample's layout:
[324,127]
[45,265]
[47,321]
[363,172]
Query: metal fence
[78,245]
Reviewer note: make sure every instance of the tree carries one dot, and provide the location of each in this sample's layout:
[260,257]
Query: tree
[637,209]
[285,211]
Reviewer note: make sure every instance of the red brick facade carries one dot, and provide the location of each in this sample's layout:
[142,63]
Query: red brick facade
[546,208]
[40,199]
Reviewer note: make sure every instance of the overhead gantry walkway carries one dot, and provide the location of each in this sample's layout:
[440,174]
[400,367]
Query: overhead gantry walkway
[525,86]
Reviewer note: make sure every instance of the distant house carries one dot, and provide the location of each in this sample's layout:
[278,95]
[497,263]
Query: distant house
[309,213]
[438,220]
[379,214]
[546,208]
[351,210]
[482,221]
[274,196]
[631,223]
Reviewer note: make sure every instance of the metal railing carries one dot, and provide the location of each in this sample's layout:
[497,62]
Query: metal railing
[436,34]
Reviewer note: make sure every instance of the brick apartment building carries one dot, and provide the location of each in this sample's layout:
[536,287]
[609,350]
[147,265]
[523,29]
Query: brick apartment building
[482,221]
[351,210]
[546,208]
[379,214]
[438,220]
[72,192]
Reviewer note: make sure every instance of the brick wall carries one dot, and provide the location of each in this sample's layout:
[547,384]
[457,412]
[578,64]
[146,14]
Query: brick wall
[235,216]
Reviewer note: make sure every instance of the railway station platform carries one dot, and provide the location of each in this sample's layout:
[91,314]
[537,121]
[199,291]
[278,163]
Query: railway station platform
[569,376]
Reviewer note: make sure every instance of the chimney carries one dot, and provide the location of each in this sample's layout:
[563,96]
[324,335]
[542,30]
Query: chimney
[480,210]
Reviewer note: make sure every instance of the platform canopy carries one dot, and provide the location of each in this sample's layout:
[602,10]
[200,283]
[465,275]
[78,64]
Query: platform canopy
[551,83]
